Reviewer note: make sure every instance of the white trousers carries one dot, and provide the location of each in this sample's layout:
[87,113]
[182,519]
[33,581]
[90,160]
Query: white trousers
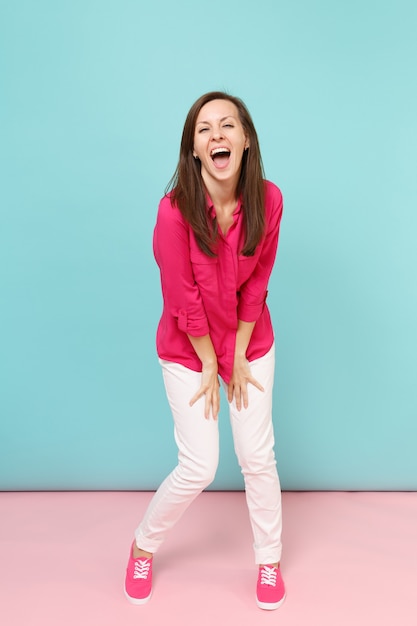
[198,452]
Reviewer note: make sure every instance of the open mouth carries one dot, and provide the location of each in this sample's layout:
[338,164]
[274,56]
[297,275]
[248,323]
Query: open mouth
[220,156]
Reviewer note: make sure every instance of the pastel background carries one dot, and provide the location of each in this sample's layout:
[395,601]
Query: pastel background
[93,96]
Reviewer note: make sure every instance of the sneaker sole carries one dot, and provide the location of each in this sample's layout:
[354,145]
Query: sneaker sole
[270,606]
[137,601]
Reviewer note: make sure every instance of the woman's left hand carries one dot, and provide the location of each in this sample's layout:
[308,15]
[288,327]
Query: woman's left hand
[238,385]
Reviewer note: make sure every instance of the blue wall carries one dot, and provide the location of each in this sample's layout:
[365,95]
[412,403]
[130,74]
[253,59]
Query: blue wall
[93,97]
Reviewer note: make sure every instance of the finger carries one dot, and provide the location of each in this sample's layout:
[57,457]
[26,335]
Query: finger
[214,411]
[256,383]
[216,403]
[207,406]
[199,394]
[194,400]
[238,397]
[245,396]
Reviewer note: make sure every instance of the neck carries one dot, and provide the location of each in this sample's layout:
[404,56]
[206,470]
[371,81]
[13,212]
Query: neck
[222,194]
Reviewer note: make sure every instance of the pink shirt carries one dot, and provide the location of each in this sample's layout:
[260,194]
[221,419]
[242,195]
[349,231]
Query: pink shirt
[203,294]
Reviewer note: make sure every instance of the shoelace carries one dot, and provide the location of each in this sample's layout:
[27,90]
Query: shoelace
[269,576]
[141,569]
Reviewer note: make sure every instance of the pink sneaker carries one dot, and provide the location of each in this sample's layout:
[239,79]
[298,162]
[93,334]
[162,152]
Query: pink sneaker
[138,584]
[270,590]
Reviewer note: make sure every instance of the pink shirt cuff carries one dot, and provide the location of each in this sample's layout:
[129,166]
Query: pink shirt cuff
[192,326]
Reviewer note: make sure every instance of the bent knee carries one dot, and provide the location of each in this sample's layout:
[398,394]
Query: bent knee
[257,463]
[199,473]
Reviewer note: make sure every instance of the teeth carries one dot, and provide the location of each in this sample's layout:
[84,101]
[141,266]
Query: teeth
[219,150]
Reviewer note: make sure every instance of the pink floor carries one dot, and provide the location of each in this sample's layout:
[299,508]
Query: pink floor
[350,559]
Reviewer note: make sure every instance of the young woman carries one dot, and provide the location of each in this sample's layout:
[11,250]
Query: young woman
[215,242]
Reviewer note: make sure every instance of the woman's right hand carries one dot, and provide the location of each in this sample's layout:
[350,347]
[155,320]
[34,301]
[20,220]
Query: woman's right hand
[210,388]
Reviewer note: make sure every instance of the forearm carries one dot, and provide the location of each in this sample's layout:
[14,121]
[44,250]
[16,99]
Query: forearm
[204,349]
[243,335]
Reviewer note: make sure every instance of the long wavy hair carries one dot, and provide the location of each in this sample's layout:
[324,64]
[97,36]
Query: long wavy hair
[187,186]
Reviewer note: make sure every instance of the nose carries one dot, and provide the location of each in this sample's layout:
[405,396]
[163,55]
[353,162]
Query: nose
[217,133]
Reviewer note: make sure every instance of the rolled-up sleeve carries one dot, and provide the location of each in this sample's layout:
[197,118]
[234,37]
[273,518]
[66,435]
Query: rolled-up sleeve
[171,243]
[254,291]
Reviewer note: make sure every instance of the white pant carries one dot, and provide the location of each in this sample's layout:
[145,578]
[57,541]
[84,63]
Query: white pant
[198,452]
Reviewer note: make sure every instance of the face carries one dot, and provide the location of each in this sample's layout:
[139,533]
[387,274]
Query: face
[219,142]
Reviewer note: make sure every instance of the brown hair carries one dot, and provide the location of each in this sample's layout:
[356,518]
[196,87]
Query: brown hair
[188,191]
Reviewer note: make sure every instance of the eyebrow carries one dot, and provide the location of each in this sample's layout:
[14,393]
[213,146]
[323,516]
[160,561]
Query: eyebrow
[221,119]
